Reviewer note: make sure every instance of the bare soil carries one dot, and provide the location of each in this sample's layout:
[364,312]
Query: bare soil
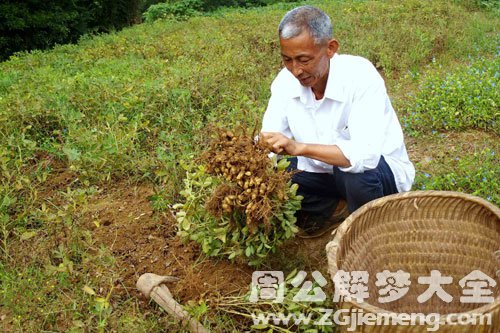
[143,241]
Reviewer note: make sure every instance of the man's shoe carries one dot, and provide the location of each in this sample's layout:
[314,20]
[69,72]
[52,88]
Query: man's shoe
[341,212]
[319,229]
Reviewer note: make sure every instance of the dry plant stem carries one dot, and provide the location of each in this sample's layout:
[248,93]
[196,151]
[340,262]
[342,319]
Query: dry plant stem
[151,285]
[275,328]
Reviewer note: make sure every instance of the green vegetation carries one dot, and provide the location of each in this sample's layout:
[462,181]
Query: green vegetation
[125,108]
[178,10]
[475,173]
[35,24]
[28,25]
[183,9]
[230,236]
[466,98]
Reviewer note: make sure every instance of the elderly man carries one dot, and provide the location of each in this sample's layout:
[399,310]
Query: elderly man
[332,113]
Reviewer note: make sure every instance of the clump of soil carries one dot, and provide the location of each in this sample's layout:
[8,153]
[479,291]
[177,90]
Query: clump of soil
[253,188]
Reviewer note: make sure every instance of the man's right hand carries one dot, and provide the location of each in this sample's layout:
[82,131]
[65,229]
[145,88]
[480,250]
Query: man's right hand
[280,144]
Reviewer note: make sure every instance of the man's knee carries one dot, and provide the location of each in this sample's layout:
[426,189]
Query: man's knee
[360,188]
[362,182]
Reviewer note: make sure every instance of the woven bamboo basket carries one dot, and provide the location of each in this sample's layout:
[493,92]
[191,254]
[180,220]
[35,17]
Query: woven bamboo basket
[417,232]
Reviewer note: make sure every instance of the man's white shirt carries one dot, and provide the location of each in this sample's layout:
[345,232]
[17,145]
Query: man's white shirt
[355,114]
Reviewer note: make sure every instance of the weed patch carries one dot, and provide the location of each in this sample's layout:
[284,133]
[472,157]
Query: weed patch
[466,98]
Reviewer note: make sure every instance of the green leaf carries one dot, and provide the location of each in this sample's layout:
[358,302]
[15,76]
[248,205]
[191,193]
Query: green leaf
[222,237]
[220,231]
[7,201]
[283,164]
[249,250]
[291,275]
[72,154]
[289,214]
[207,182]
[185,223]
[259,326]
[88,290]
[177,206]
[27,235]
[205,246]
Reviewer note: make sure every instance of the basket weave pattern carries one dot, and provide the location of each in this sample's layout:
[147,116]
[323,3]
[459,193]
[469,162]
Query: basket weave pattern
[417,232]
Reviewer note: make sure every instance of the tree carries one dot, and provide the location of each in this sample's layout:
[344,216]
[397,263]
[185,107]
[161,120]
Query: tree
[37,24]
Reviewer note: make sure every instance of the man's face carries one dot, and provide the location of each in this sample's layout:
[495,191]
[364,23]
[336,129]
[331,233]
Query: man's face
[307,61]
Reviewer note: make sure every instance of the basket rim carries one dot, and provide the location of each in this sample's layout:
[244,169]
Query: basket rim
[333,246]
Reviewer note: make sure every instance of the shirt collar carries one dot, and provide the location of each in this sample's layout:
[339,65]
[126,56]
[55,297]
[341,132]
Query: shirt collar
[334,88]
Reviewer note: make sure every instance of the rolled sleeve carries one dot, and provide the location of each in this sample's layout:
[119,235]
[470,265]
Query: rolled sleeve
[367,127]
[353,155]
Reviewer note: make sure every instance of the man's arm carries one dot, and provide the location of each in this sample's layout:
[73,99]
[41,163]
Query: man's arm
[280,144]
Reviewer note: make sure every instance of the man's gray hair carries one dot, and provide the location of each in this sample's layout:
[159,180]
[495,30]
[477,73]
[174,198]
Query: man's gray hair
[306,18]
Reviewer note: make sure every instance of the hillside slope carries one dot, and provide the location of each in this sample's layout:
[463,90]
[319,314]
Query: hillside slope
[92,135]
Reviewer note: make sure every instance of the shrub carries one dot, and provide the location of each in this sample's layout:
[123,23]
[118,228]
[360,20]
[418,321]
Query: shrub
[29,25]
[32,25]
[194,6]
[180,10]
[480,4]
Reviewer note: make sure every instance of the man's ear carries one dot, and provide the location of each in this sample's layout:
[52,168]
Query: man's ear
[332,47]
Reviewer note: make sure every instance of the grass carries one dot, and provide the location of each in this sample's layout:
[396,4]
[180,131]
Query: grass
[125,108]
[459,161]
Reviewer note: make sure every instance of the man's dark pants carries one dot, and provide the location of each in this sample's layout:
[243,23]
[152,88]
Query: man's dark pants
[322,191]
